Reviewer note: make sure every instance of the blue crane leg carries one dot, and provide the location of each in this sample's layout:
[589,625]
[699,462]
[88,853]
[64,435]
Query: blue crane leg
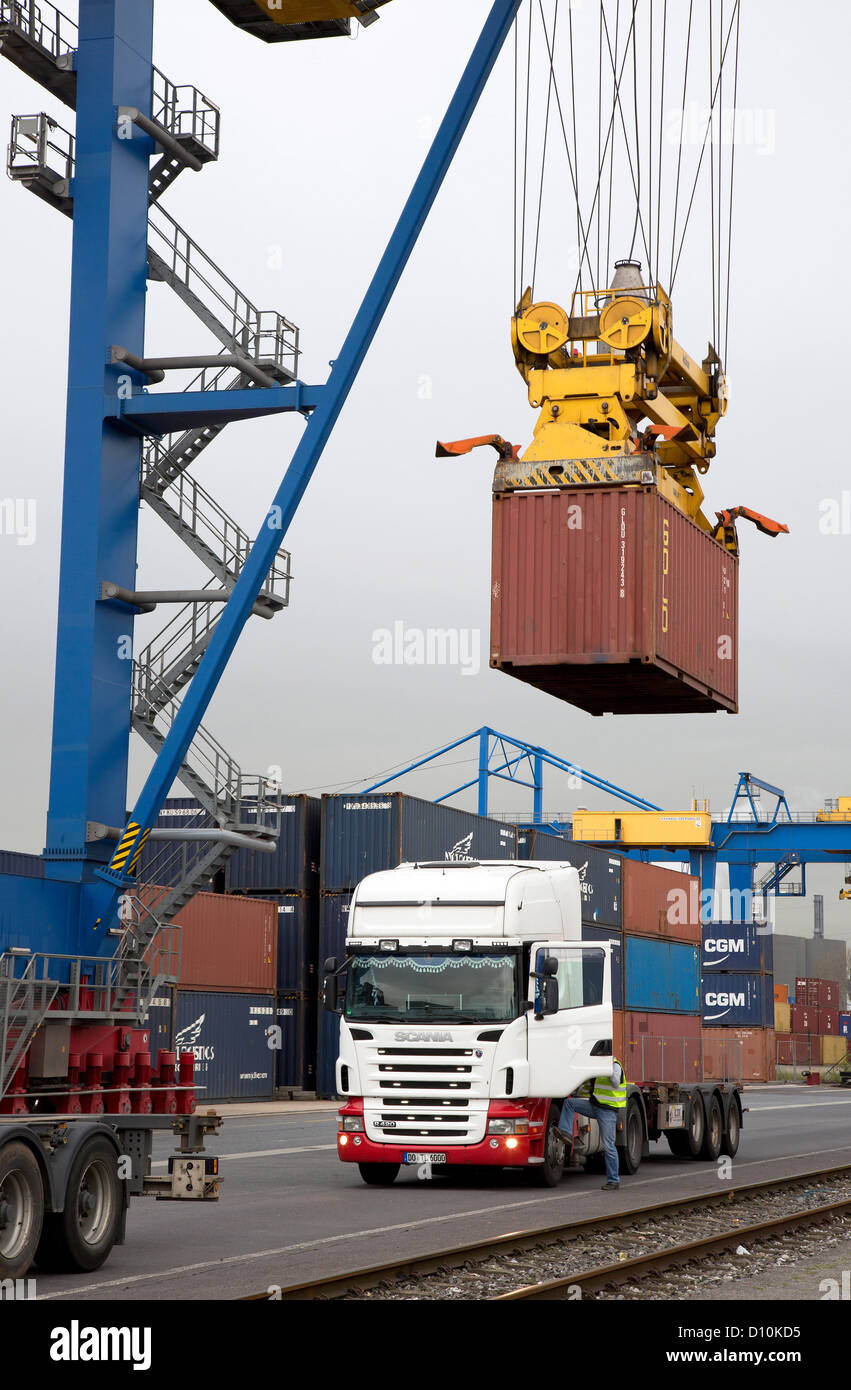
[100,900]
[88,780]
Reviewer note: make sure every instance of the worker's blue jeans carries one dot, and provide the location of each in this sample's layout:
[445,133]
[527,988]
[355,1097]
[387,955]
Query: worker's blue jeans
[606,1118]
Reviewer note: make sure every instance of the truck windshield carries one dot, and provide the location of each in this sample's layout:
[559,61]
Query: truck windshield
[435,985]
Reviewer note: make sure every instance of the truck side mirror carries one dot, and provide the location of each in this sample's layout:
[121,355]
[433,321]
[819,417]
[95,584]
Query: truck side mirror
[549,996]
[330,985]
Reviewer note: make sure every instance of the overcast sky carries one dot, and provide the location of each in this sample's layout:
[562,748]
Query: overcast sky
[320,145]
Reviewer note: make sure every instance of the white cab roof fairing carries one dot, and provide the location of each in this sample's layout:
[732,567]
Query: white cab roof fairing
[505,899]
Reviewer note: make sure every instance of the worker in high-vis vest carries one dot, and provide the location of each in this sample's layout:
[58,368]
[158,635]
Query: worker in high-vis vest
[601,1100]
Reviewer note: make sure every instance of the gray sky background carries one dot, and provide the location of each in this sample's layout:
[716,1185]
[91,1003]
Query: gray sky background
[320,145]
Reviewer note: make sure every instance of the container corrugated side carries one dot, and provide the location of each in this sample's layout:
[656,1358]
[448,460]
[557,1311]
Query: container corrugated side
[226,942]
[600,872]
[21,865]
[738,946]
[295,1062]
[298,944]
[660,902]
[661,1046]
[661,976]
[294,867]
[614,600]
[364,834]
[739,1054]
[229,1035]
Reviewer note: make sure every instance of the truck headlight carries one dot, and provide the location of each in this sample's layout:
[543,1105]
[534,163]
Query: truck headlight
[350,1124]
[509,1125]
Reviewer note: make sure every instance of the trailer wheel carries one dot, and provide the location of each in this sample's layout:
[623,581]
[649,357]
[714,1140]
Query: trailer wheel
[379,1174]
[687,1143]
[21,1209]
[732,1134]
[82,1235]
[714,1133]
[551,1171]
[629,1156]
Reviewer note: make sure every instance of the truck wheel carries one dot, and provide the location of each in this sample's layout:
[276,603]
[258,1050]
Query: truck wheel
[687,1143]
[629,1157]
[551,1171]
[713,1135]
[732,1134]
[82,1236]
[21,1209]
[379,1174]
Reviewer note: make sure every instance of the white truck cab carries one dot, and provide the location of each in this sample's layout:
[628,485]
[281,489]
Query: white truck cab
[469,1008]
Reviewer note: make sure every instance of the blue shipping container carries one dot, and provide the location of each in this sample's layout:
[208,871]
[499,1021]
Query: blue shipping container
[845,1025]
[160,1023]
[295,1066]
[600,872]
[594,933]
[327,1051]
[294,867]
[737,946]
[333,925]
[230,1037]
[298,941]
[737,1001]
[661,976]
[23,865]
[364,834]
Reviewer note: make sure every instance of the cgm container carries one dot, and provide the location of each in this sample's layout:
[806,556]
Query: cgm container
[737,1000]
[295,1061]
[738,946]
[662,976]
[660,902]
[738,1054]
[231,1037]
[591,932]
[614,600]
[226,942]
[21,865]
[600,872]
[660,1046]
[294,867]
[364,833]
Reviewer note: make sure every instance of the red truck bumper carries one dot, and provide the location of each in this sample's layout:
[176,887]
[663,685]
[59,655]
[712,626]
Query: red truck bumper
[495,1150]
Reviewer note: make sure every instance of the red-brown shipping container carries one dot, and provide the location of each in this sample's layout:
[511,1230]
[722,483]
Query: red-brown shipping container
[828,1023]
[661,1047]
[226,943]
[783,1049]
[828,994]
[804,1019]
[612,599]
[739,1054]
[802,1047]
[660,902]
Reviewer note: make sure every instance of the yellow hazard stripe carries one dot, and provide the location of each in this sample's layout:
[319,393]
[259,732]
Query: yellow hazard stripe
[133,862]
[121,855]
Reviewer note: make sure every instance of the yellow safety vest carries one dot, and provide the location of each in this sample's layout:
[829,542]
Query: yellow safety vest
[602,1090]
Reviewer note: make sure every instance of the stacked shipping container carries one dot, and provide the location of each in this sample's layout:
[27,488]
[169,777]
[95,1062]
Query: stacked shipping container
[810,1031]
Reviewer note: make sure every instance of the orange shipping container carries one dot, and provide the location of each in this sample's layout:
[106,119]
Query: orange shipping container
[781,994]
[226,942]
[738,1054]
[660,902]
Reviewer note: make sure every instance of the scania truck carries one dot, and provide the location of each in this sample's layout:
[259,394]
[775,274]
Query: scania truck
[469,1009]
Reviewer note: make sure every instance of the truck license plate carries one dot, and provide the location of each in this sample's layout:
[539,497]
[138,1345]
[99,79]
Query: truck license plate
[424,1158]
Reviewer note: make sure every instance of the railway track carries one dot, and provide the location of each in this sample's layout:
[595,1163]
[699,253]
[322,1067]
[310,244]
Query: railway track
[576,1283]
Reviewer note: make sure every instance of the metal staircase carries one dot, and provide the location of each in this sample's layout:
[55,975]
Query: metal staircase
[185,127]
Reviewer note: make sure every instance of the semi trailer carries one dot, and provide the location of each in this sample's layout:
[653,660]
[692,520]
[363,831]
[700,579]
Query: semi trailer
[469,1009]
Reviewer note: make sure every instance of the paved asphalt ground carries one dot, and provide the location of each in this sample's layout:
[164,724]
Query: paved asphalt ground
[290,1211]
